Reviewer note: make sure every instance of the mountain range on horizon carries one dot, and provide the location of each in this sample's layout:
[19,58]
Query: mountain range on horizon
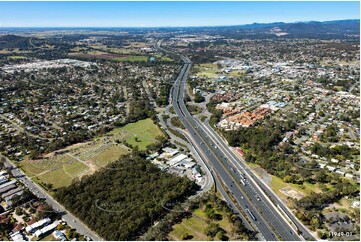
[252,25]
[345,29]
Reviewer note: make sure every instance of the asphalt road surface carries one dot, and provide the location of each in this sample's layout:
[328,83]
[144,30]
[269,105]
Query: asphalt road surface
[41,193]
[248,173]
[265,216]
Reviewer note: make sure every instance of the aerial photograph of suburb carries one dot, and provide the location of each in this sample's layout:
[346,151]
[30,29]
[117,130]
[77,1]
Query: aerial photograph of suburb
[179,120]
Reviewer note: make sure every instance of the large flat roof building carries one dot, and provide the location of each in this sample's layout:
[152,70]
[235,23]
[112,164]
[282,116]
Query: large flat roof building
[176,160]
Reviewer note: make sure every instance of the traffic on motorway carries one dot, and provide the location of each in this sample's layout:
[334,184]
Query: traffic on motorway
[263,214]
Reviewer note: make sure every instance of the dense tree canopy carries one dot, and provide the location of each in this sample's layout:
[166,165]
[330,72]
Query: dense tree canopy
[121,201]
[259,142]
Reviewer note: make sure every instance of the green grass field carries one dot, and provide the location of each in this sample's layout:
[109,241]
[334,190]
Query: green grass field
[236,73]
[58,171]
[162,58]
[208,65]
[114,50]
[58,178]
[339,88]
[109,155]
[75,169]
[207,70]
[131,55]
[132,58]
[195,226]
[144,130]
[306,188]
[207,73]
[16,57]
[85,158]
[32,168]
[277,184]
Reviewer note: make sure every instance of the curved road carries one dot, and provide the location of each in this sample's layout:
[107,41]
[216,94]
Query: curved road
[265,216]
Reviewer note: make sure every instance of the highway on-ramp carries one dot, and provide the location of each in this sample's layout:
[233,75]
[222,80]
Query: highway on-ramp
[263,214]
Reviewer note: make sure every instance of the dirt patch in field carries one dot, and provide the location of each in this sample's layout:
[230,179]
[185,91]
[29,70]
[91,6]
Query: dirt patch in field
[93,167]
[289,192]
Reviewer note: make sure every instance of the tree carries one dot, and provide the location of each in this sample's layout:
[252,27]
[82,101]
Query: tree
[198,98]
[18,211]
[34,154]
[212,229]
[321,235]
[321,176]
[60,227]
[221,236]
[32,210]
[315,223]
[187,236]
[70,234]
[288,179]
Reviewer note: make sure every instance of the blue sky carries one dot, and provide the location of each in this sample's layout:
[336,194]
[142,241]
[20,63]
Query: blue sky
[151,14]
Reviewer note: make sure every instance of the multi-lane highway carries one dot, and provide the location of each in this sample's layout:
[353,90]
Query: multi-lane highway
[232,155]
[261,211]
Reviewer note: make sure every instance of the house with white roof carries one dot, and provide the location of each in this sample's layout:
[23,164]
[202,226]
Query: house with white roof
[46,229]
[59,235]
[34,226]
[18,236]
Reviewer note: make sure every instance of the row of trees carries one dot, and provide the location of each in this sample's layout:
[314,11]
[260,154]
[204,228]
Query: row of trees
[341,151]
[163,96]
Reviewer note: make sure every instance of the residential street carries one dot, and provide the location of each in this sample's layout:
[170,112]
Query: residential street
[41,193]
